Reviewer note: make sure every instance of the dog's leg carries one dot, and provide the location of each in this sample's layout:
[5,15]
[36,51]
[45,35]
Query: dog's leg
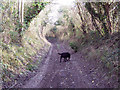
[60,59]
[68,59]
[65,59]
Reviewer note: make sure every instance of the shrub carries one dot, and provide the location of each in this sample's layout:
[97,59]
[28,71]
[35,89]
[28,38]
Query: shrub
[14,36]
[73,46]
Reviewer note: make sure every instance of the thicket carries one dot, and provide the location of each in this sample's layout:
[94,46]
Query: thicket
[18,44]
[34,10]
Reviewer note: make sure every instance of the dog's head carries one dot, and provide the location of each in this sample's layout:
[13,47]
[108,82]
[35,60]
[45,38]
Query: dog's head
[59,53]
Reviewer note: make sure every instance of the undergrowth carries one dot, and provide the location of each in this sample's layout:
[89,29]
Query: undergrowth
[14,61]
[98,48]
[17,58]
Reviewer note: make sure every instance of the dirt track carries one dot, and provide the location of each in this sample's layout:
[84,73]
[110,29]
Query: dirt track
[70,74]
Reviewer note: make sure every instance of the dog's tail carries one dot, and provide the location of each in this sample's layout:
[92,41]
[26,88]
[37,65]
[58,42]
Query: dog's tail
[59,53]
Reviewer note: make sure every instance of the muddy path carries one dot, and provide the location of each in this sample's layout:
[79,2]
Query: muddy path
[70,74]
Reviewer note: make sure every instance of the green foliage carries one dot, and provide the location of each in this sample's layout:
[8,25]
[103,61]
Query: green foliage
[102,15]
[34,10]
[6,73]
[54,29]
[4,46]
[109,57]
[59,22]
[44,23]
[14,35]
[94,37]
[16,57]
[30,67]
[18,26]
[1,30]
[73,46]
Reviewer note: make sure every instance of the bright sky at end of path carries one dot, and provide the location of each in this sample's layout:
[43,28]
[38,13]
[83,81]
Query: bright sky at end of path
[54,15]
[64,2]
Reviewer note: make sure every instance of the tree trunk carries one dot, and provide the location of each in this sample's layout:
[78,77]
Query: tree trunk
[20,17]
[101,17]
[79,12]
[19,10]
[96,26]
[83,21]
[106,31]
[108,17]
[22,13]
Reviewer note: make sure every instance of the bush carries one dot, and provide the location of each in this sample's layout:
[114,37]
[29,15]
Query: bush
[31,67]
[34,10]
[14,36]
[73,46]
[1,30]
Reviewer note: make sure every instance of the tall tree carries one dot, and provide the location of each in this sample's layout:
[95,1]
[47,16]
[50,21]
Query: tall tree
[82,18]
[100,12]
[22,13]
[20,16]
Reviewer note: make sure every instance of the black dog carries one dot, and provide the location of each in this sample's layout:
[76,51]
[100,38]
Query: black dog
[65,55]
